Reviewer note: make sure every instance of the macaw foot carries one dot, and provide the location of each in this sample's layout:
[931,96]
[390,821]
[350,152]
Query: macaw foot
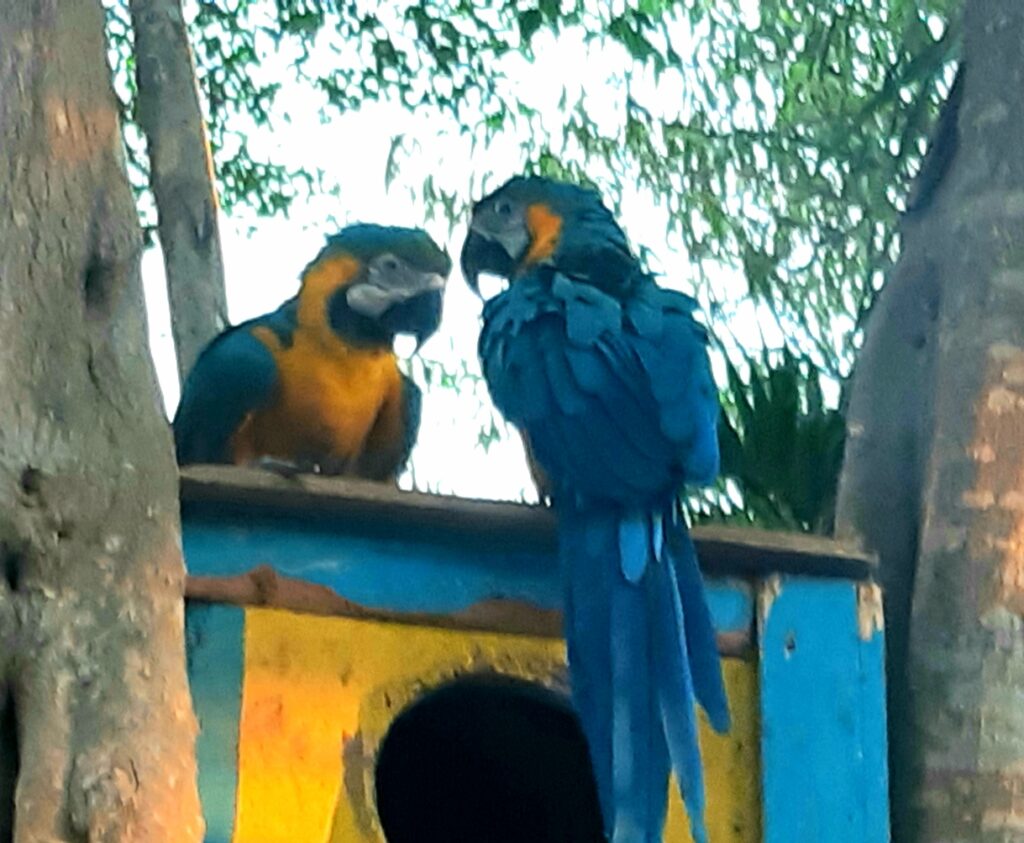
[285,468]
[327,467]
[334,467]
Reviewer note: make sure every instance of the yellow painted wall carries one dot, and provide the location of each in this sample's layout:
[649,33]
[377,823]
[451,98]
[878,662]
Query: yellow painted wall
[319,693]
[732,767]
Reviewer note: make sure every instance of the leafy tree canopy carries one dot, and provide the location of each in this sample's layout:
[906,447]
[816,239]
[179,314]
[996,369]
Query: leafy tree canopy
[779,137]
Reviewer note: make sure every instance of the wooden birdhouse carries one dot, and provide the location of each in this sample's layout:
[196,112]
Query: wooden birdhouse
[362,658]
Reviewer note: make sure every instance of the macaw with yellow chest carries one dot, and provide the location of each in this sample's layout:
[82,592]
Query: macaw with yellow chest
[315,385]
[607,374]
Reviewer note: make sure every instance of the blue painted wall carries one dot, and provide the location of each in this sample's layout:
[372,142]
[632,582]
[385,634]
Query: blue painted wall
[823,717]
[823,730]
[213,635]
[430,575]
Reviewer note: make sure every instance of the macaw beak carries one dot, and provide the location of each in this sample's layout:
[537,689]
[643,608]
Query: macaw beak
[410,304]
[426,316]
[480,254]
[418,316]
[375,300]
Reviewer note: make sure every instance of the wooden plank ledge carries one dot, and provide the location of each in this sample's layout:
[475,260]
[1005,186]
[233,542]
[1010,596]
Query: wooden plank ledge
[263,586]
[724,551]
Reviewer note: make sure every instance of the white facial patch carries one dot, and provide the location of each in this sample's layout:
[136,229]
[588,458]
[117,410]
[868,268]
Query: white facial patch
[371,300]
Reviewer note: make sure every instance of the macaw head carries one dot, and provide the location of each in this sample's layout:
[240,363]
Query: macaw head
[371,282]
[534,221]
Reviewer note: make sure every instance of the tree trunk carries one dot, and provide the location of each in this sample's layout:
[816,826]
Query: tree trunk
[934,473]
[889,430]
[181,175]
[91,612]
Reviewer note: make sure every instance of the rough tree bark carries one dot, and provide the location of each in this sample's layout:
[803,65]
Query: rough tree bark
[889,429]
[91,612]
[934,473]
[181,176]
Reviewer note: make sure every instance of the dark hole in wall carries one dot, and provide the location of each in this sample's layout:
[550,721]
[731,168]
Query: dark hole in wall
[487,758]
[8,767]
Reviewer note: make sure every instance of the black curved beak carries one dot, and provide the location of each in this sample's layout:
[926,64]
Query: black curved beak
[430,306]
[408,303]
[482,254]
[418,316]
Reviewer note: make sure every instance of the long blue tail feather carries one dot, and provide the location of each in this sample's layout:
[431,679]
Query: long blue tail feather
[701,641]
[587,606]
[676,692]
[642,651]
[640,756]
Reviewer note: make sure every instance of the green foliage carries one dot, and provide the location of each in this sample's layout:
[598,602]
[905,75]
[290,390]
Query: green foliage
[780,445]
[437,377]
[778,136]
[785,150]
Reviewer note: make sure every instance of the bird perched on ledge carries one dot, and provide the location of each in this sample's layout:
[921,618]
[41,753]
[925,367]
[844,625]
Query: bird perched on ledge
[608,376]
[315,385]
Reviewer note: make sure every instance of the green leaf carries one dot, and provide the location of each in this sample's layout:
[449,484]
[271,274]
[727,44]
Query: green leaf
[529,22]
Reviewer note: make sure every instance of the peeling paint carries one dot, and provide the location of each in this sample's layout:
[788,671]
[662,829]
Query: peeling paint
[767,592]
[870,616]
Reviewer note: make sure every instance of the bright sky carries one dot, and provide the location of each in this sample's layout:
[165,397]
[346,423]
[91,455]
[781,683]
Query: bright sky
[263,257]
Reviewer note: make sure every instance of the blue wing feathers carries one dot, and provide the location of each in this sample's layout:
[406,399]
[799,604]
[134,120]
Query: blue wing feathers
[640,404]
[536,380]
[412,414]
[620,408]
[234,375]
[570,399]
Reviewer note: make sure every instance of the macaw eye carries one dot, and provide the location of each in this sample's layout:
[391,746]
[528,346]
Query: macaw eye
[503,208]
[390,264]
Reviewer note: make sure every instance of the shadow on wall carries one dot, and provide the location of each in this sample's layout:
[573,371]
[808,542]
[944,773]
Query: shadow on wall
[487,757]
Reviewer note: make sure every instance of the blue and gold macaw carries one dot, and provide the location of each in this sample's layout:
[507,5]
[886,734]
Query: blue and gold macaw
[608,376]
[315,385]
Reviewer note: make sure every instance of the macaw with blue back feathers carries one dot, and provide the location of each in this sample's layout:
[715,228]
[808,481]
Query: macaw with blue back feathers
[607,374]
[315,385]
